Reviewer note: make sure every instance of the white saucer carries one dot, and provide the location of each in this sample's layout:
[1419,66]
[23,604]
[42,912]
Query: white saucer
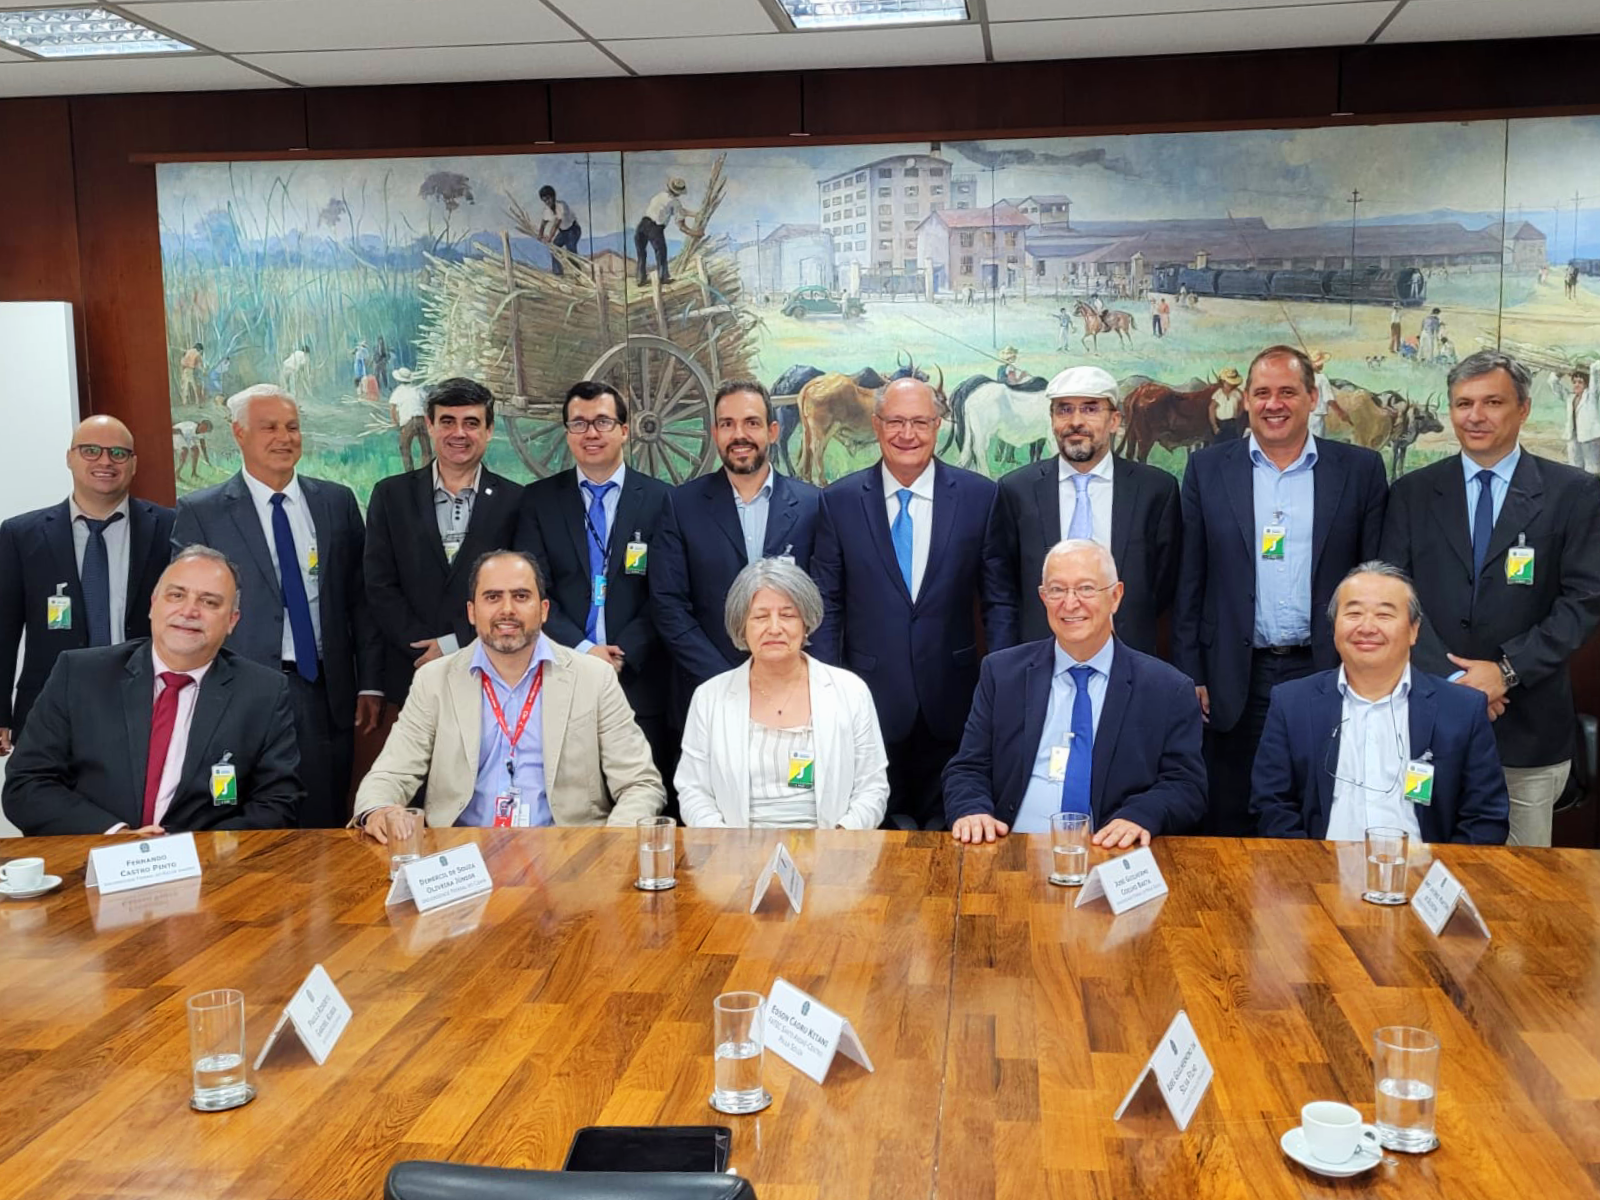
[51,883]
[1368,1154]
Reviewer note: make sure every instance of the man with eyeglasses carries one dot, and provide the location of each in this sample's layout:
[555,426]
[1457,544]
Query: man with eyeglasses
[1078,722]
[899,563]
[67,571]
[1376,742]
[1085,492]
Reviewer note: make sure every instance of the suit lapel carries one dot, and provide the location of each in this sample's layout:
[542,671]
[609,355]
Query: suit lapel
[1047,495]
[1236,469]
[1424,710]
[734,718]
[625,524]
[466,703]
[1327,485]
[1119,691]
[1524,502]
[1035,706]
[138,704]
[1124,490]
[875,513]
[572,507]
[216,691]
[1327,727]
[58,536]
[781,517]
[426,522]
[716,494]
[560,682]
[245,519]
[944,519]
[1450,511]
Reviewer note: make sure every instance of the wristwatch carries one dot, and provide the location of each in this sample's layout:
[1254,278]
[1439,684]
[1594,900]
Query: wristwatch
[1508,673]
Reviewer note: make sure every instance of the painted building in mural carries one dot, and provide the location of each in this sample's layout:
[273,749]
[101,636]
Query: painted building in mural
[874,211]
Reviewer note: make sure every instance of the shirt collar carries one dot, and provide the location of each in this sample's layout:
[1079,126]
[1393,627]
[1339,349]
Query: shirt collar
[472,488]
[1101,661]
[197,674]
[262,494]
[1401,690]
[921,486]
[542,652]
[1307,458]
[1065,470]
[75,512]
[618,477]
[765,492]
[1502,469]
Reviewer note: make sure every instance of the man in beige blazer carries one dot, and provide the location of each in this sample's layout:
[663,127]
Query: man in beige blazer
[512,730]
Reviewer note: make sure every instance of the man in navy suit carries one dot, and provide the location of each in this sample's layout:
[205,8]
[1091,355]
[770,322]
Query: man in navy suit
[1039,705]
[715,526]
[1271,523]
[1377,742]
[899,562]
[80,572]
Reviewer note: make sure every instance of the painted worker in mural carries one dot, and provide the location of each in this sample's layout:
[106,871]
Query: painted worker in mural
[1583,421]
[190,368]
[665,208]
[559,227]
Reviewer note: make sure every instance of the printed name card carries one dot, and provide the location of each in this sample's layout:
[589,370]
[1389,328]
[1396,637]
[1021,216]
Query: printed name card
[806,1034]
[128,865]
[1441,896]
[441,879]
[1125,882]
[1181,1069]
[781,866]
[318,1014]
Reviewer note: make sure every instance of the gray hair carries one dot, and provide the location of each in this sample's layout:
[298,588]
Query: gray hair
[1388,571]
[239,403]
[782,577]
[1108,565]
[1475,366]
[207,554]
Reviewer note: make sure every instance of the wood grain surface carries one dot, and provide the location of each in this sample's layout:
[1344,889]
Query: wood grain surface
[1005,1024]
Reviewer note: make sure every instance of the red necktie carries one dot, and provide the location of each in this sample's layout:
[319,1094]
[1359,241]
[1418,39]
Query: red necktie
[162,720]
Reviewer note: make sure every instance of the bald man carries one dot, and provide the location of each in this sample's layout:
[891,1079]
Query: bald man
[66,571]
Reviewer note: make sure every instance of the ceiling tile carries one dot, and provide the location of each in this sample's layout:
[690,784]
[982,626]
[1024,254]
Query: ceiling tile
[1191,33]
[666,18]
[442,64]
[1039,10]
[1461,20]
[803,51]
[185,73]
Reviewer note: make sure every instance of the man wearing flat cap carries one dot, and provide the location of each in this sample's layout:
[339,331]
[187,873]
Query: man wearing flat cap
[1084,492]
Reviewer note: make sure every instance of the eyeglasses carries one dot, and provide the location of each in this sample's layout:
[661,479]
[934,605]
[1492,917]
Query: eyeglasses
[897,425]
[1092,409]
[599,424]
[1382,787]
[89,452]
[1055,593]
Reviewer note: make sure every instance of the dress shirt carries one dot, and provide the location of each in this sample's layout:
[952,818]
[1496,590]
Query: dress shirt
[1283,586]
[305,545]
[921,512]
[408,403]
[753,518]
[1100,490]
[494,748]
[1043,797]
[172,769]
[116,535]
[1369,779]
[1499,485]
[612,499]
[453,512]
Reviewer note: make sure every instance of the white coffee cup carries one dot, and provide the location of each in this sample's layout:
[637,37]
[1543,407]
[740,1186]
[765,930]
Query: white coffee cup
[22,874]
[1332,1130]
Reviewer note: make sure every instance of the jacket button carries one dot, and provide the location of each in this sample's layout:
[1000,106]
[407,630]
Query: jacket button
[1466,624]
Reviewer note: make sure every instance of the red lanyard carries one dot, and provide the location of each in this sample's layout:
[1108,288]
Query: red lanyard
[522,722]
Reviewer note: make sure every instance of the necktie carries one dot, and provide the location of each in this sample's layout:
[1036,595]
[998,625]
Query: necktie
[1482,521]
[294,593]
[96,580]
[900,534]
[162,719]
[1082,514]
[598,544]
[1080,760]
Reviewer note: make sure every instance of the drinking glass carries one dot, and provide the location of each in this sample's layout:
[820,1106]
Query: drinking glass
[216,1051]
[405,839]
[1405,1066]
[1386,866]
[738,1037]
[1069,844]
[657,851]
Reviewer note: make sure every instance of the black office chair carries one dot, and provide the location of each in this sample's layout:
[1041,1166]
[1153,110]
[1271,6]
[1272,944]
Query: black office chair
[1585,764]
[455,1181]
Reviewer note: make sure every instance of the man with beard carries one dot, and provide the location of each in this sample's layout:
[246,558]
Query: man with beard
[1086,492]
[513,730]
[715,526]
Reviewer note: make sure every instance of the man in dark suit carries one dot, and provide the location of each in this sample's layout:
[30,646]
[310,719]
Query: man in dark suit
[161,734]
[1037,704]
[1085,492]
[715,526]
[77,573]
[299,542]
[591,529]
[1378,743]
[1271,523]
[425,529]
[1505,549]
[899,563]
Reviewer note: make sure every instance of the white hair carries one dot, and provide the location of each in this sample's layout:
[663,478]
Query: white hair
[239,403]
[1108,565]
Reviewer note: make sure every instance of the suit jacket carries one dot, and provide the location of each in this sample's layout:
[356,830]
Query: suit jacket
[914,656]
[1291,790]
[413,591]
[552,528]
[224,518]
[699,551]
[36,554]
[851,769]
[1213,628]
[1026,522]
[597,766]
[80,767]
[1555,509]
[1147,768]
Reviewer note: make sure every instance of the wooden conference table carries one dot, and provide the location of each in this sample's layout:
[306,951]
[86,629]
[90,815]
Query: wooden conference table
[1005,1025]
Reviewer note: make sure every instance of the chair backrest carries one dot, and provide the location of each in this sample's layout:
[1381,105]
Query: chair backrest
[455,1181]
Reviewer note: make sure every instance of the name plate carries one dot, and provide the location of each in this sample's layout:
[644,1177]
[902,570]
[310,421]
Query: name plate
[1125,882]
[128,865]
[441,879]
[1181,1070]
[806,1034]
[1441,896]
[782,867]
[318,1014]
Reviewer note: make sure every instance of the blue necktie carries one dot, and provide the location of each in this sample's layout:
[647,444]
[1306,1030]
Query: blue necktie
[900,534]
[96,580]
[294,593]
[1080,759]
[1082,514]
[1482,522]
[597,552]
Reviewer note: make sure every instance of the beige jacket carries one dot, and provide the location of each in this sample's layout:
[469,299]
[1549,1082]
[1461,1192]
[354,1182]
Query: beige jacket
[597,766]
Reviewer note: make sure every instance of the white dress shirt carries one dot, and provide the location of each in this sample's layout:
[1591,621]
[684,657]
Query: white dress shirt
[921,511]
[172,769]
[612,499]
[305,546]
[116,535]
[1043,797]
[1100,490]
[1369,778]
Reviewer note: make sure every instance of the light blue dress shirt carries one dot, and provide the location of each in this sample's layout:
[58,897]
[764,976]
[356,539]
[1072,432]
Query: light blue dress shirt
[753,518]
[1283,586]
[1043,797]
[494,777]
[1499,485]
[609,502]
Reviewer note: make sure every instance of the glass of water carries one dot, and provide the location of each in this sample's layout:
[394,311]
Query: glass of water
[1069,844]
[216,1051]
[657,852]
[405,839]
[1405,1064]
[1386,866]
[738,1037]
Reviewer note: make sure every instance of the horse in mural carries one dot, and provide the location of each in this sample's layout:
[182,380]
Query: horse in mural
[836,405]
[1115,321]
[982,408]
[1156,414]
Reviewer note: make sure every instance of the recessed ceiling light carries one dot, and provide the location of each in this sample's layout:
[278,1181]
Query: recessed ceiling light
[83,33]
[852,14]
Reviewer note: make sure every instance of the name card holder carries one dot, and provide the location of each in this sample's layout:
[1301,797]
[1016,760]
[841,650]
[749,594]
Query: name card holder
[440,879]
[1441,896]
[807,1034]
[781,866]
[1126,882]
[317,1013]
[127,865]
[1181,1070]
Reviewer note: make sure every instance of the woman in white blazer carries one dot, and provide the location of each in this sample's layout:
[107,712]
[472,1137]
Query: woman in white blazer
[783,741]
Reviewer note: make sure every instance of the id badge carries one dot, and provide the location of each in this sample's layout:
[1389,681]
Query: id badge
[311,561]
[1058,762]
[802,769]
[224,784]
[1272,542]
[505,809]
[599,589]
[58,612]
[635,558]
[1519,565]
[1419,782]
